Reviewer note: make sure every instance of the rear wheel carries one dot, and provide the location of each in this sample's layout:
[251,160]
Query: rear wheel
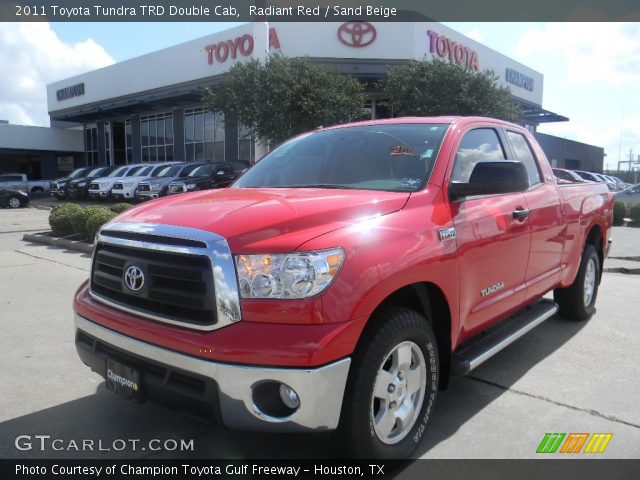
[578,300]
[392,388]
[14,202]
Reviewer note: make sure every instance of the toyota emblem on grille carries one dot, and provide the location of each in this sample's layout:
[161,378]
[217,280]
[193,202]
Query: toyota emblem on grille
[134,278]
[357,34]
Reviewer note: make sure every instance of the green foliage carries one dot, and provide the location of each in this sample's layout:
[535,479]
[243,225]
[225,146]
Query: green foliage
[619,212]
[283,97]
[60,219]
[119,207]
[436,87]
[79,219]
[96,219]
[634,212]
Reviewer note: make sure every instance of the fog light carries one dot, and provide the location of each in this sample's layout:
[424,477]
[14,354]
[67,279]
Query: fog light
[289,397]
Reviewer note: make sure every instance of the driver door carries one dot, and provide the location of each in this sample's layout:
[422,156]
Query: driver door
[493,244]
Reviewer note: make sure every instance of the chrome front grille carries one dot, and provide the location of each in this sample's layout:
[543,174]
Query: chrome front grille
[188,275]
[118,186]
[144,187]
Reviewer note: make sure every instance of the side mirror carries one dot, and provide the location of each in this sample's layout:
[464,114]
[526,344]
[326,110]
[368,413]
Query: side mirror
[492,178]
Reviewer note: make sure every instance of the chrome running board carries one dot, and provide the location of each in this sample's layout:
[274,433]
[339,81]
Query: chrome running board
[483,346]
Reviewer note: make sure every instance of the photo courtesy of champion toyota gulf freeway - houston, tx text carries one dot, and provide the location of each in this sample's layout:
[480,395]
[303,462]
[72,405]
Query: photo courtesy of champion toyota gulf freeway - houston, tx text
[340,281]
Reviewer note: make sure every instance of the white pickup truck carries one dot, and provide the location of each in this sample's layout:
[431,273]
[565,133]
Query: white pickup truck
[19,181]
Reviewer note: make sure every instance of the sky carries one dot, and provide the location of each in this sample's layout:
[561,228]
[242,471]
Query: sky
[591,70]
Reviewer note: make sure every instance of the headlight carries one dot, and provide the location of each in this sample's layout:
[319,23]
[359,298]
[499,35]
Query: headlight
[154,186]
[104,185]
[128,184]
[82,184]
[190,186]
[287,275]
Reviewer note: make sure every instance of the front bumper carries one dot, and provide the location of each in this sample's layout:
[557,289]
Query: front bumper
[99,194]
[227,391]
[122,194]
[147,195]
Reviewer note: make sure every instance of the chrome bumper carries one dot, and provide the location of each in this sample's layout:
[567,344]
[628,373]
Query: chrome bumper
[147,195]
[320,390]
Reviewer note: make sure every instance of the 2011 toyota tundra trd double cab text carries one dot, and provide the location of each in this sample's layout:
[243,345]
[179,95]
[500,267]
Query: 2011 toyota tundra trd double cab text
[343,278]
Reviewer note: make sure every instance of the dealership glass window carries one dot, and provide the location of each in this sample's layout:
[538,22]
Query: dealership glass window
[128,139]
[91,144]
[203,135]
[156,134]
[246,145]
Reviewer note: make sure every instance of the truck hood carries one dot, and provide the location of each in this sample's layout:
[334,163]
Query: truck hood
[159,180]
[267,220]
[110,180]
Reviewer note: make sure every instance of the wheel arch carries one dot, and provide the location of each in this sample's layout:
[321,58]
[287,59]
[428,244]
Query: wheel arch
[595,236]
[429,300]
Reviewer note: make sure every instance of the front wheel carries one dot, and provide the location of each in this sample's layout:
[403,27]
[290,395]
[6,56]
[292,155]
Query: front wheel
[14,202]
[392,388]
[578,301]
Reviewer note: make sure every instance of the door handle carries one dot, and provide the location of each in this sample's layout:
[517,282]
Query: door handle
[520,214]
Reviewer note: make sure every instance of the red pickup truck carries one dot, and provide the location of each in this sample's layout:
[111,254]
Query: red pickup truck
[342,279]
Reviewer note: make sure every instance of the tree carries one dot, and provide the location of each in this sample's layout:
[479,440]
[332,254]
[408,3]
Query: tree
[435,87]
[282,97]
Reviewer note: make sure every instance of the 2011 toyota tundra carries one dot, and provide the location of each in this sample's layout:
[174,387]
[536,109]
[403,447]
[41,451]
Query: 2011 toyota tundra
[342,279]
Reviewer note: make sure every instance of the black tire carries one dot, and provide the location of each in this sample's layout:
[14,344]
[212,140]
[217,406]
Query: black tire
[14,202]
[573,301]
[392,330]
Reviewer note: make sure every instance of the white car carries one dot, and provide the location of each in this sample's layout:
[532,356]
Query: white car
[100,188]
[125,189]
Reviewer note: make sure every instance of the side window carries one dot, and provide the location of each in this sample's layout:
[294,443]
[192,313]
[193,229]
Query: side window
[476,145]
[525,155]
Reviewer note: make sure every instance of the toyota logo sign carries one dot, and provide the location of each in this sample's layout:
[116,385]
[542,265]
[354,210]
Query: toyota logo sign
[134,278]
[357,34]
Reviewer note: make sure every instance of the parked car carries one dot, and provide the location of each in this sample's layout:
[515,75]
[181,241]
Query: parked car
[629,195]
[588,176]
[58,187]
[100,188]
[211,175]
[126,189]
[611,185]
[13,198]
[20,182]
[568,175]
[78,188]
[159,185]
[341,279]
[618,185]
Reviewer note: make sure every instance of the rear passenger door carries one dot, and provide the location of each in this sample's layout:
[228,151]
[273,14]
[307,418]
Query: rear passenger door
[545,218]
[493,246]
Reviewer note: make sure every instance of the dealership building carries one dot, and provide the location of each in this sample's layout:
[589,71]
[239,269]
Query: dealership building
[150,108]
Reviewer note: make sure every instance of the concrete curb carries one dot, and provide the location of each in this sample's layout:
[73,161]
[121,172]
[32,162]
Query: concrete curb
[44,239]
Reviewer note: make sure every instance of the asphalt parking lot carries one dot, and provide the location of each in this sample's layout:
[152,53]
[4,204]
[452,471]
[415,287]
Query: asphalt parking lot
[562,377]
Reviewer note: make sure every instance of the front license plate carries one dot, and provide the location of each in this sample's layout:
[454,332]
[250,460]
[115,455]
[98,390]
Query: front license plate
[123,380]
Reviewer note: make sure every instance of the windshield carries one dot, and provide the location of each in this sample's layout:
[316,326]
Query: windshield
[141,172]
[95,172]
[373,157]
[77,173]
[157,169]
[203,170]
[119,172]
[171,171]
